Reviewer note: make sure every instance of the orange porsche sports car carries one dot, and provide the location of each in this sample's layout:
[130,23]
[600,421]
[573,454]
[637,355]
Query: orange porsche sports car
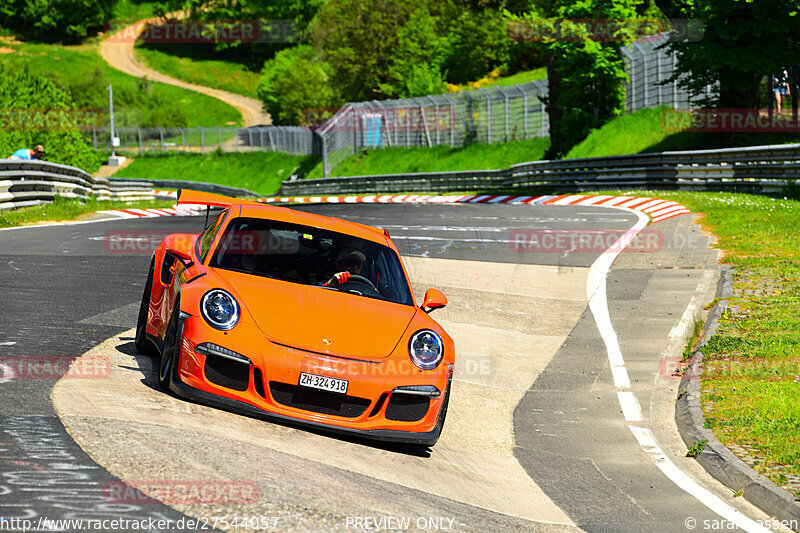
[298,317]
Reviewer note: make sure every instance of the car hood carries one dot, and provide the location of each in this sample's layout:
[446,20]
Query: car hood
[321,320]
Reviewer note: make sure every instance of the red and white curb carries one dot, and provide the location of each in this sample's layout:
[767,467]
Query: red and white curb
[655,208]
[165,195]
[177,211]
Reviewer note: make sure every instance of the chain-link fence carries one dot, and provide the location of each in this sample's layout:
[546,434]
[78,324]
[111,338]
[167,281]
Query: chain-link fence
[143,141]
[497,114]
[648,65]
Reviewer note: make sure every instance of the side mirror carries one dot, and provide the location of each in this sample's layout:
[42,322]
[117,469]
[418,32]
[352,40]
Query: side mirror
[180,245]
[434,299]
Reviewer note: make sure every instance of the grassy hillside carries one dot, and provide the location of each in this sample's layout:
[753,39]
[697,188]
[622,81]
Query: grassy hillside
[643,132]
[137,102]
[199,64]
[439,158]
[261,172]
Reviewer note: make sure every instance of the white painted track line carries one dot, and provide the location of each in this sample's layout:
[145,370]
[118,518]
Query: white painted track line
[596,292]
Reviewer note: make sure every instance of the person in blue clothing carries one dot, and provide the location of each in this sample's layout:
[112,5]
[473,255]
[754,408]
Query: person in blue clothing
[24,153]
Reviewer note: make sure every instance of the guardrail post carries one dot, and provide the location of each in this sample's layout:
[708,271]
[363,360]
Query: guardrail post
[161,138]
[141,148]
[202,140]
[219,137]
[183,139]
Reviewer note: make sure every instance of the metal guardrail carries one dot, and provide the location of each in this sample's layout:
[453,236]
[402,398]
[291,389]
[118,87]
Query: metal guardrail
[750,169]
[193,185]
[27,183]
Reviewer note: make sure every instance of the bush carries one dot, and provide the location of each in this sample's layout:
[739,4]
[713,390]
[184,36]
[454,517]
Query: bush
[295,85]
[21,92]
[69,21]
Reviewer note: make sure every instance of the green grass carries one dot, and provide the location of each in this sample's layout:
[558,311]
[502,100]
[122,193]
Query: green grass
[132,10]
[644,132]
[196,64]
[85,75]
[520,77]
[439,158]
[261,172]
[751,381]
[63,209]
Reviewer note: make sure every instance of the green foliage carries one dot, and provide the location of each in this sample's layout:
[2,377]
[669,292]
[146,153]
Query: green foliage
[68,21]
[387,49]
[479,43]
[585,76]
[35,96]
[416,67]
[743,42]
[697,448]
[296,85]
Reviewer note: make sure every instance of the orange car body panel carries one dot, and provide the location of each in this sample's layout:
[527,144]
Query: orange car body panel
[288,328]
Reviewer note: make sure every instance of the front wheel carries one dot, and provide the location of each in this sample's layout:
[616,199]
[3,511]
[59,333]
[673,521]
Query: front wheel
[171,349]
[144,345]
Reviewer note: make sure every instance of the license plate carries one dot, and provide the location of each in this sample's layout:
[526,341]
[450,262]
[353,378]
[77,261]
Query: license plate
[314,381]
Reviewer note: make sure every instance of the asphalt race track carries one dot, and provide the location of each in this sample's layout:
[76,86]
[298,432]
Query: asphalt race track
[536,439]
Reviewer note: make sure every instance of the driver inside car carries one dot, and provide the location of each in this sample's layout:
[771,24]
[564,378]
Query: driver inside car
[348,263]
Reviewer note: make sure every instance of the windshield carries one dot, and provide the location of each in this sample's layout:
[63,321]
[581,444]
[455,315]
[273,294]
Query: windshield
[312,256]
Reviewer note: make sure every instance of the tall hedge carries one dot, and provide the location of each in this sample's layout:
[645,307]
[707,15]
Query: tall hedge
[34,110]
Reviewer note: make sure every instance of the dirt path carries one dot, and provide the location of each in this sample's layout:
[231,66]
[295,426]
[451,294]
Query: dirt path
[119,53]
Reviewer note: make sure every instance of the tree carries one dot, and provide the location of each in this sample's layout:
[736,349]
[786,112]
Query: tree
[295,87]
[585,76]
[416,66]
[69,21]
[479,43]
[743,42]
[359,38]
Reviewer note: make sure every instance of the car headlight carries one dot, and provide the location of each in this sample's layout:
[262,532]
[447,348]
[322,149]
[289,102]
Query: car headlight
[220,309]
[426,349]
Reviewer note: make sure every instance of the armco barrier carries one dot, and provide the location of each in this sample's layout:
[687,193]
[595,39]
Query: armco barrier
[193,185]
[26,183]
[751,169]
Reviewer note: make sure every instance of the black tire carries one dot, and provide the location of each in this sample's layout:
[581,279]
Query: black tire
[171,349]
[144,345]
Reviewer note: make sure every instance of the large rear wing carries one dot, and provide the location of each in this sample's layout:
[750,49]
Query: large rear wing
[186,196]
